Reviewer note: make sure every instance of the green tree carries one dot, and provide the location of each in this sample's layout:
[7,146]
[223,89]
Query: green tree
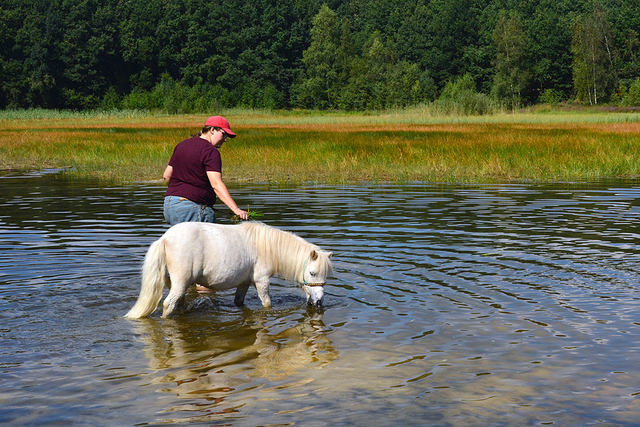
[28,73]
[632,98]
[624,17]
[454,40]
[593,71]
[319,88]
[511,73]
[143,40]
[548,27]
[87,51]
[630,46]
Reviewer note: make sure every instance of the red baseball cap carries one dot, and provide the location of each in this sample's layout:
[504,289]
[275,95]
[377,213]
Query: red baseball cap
[220,122]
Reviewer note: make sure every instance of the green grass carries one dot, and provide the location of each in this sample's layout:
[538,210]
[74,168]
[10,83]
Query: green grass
[307,146]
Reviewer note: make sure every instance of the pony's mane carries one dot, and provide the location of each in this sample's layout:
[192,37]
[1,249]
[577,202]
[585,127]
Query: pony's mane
[284,251]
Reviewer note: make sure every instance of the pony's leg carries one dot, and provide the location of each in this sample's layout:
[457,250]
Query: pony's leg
[263,292]
[241,292]
[175,299]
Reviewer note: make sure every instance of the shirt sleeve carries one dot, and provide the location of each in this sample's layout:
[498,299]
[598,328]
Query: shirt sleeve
[212,161]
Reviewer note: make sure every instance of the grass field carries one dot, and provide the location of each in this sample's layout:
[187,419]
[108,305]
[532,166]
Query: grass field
[301,146]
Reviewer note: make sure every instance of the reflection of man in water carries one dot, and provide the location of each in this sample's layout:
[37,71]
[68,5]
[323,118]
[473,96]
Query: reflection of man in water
[217,361]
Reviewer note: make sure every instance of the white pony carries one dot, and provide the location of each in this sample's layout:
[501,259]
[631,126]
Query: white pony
[228,256]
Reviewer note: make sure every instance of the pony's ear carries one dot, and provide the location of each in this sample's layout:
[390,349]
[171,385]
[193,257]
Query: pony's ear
[329,254]
[313,256]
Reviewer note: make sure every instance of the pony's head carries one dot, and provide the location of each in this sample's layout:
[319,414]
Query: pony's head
[316,270]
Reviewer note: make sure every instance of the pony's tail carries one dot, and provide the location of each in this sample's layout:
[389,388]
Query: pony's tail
[154,280]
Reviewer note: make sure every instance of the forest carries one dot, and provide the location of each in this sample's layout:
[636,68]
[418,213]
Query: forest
[184,56]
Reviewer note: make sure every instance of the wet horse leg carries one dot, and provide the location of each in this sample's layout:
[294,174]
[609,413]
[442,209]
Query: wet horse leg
[241,292]
[262,286]
[175,301]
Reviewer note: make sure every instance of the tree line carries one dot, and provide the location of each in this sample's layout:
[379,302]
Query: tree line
[184,56]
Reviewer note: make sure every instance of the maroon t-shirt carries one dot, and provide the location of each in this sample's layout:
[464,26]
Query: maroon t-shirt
[191,160]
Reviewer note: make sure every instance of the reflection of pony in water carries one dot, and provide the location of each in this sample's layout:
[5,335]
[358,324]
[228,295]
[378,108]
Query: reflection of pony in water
[228,256]
[216,363]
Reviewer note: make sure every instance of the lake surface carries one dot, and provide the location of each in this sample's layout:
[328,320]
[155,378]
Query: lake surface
[492,305]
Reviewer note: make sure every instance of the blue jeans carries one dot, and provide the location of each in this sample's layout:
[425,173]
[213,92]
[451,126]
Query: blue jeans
[177,211]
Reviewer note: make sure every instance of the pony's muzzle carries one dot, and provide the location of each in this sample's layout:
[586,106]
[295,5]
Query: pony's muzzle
[316,304]
[314,292]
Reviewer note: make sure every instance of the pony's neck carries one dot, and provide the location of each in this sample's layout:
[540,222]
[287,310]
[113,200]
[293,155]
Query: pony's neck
[284,252]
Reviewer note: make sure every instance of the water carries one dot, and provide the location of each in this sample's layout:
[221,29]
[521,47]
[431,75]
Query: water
[451,306]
